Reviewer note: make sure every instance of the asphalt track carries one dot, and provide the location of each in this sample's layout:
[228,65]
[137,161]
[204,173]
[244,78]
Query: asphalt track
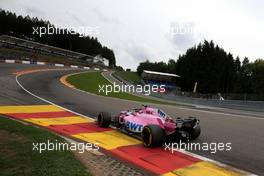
[245,131]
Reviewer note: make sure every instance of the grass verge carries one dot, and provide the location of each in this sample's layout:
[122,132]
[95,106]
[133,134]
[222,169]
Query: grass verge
[132,77]
[18,158]
[90,82]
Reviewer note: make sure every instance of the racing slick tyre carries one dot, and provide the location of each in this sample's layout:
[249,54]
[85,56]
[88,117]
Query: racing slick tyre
[104,119]
[195,132]
[152,135]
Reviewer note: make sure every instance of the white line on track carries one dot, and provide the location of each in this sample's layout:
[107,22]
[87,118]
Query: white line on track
[47,101]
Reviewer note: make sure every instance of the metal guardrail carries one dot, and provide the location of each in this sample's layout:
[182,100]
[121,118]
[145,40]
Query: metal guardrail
[234,104]
[12,61]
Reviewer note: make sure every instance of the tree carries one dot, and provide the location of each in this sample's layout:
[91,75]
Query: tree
[215,71]
[246,76]
[206,63]
[258,77]
[22,27]
[209,65]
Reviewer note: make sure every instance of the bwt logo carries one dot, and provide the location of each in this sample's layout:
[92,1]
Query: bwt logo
[131,126]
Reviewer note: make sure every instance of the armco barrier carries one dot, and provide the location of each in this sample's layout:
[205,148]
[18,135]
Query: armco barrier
[59,65]
[74,66]
[41,63]
[234,104]
[9,61]
[25,62]
[46,63]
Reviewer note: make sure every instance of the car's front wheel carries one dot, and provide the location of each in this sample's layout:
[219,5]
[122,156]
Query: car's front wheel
[152,135]
[104,119]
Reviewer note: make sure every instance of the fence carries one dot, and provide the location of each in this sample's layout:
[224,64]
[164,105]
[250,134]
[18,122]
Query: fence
[235,104]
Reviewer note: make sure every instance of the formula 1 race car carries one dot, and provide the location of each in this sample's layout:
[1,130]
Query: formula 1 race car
[153,126]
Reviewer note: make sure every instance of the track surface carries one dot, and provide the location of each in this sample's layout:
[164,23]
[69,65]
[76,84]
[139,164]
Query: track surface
[244,131]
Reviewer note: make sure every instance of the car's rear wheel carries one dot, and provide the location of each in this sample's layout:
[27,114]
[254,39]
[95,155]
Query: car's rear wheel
[195,132]
[104,119]
[152,135]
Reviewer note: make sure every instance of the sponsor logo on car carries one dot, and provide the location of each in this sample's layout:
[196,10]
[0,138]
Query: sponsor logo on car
[161,114]
[132,126]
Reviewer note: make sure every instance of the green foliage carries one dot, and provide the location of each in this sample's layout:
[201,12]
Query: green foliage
[90,82]
[208,65]
[258,77]
[119,68]
[156,66]
[213,69]
[18,158]
[129,76]
[22,27]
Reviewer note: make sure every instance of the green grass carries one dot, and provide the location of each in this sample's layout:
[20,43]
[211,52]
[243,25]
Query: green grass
[90,82]
[132,77]
[18,158]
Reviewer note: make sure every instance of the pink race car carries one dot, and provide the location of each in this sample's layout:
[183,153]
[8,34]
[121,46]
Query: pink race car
[151,125]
